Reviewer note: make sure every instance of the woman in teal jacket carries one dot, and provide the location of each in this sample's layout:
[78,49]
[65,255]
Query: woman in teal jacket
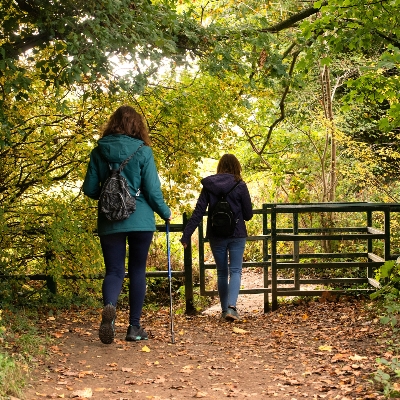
[124,133]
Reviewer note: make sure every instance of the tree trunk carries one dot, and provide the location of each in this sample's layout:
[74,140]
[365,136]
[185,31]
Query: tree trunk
[327,103]
[330,190]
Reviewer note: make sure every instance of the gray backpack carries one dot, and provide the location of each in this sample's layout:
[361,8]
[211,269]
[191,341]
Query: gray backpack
[115,201]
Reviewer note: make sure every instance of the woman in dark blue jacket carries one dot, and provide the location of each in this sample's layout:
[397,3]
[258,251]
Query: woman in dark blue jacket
[124,134]
[227,251]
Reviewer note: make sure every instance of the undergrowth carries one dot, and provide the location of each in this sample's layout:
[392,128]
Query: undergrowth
[20,347]
[387,376]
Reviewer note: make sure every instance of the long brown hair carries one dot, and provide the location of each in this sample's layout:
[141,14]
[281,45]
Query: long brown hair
[127,121]
[229,164]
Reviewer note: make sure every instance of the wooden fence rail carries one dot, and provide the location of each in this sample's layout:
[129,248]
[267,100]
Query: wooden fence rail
[186,273]
[295,262]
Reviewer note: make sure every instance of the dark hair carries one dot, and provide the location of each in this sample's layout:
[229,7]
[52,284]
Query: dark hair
[127,121]
[229,164]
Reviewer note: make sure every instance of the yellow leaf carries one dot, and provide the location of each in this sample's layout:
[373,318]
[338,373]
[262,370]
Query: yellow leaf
[238,330]
[305,316]
[325,348]
[181,332]
[145,349]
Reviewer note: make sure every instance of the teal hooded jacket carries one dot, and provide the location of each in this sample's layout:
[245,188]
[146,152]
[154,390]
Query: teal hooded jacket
[141,173]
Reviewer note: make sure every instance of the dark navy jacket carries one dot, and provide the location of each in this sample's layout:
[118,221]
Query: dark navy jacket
[239,200]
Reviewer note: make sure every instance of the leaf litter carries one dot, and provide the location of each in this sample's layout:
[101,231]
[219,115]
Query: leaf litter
[304,350]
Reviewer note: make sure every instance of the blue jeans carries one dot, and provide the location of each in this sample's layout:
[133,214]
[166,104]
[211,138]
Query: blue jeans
[114,253]
[228,256]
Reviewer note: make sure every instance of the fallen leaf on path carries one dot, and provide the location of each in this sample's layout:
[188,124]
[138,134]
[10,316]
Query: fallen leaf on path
[325,348]
[339,356]
[217,367]
[84,373]
[70,373]
[177,387]
[145,349]
[238,330]
[357,358]
[159,379]
[113,364]
[85,393]
[293,382]
[187,369]
[396,386]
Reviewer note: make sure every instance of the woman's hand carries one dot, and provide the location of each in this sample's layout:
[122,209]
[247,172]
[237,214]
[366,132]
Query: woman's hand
[168,220]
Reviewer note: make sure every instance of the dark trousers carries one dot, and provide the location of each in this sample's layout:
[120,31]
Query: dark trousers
[114,253]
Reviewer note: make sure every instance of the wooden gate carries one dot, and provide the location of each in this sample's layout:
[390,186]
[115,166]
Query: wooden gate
[280,228]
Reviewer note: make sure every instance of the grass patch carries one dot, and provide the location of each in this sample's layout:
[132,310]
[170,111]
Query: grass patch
[21,345]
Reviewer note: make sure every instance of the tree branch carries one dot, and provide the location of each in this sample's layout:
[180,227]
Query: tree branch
[288,23]
[281,103]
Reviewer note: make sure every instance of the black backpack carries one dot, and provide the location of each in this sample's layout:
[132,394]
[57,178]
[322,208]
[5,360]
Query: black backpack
[223,222]
[115,201]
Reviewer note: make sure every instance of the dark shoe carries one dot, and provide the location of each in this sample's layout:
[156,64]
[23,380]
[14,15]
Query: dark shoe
[232,314]
[223,314]
[134,333]
[106,331]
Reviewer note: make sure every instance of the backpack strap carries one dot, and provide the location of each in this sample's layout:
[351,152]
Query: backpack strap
[224,196]
[123,164]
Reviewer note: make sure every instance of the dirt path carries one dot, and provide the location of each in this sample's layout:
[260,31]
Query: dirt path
[320,350]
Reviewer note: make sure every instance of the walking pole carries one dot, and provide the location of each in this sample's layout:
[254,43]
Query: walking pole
[171,315]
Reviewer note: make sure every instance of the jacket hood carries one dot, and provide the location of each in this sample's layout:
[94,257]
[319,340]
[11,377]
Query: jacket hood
[116,148]
[219,183]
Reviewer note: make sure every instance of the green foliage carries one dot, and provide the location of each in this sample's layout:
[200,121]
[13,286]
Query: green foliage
[79,39]
[388,376]
[385,270]
[389,277]
[199,302]
[209,79]
[388,373]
